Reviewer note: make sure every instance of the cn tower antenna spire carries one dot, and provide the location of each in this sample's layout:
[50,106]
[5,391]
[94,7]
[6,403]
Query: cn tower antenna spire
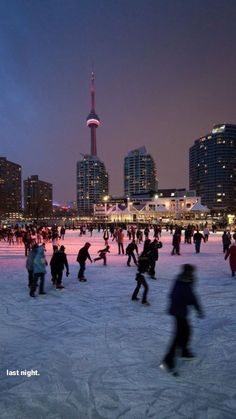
[93,120]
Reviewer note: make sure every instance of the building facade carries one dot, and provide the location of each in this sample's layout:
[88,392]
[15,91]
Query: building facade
[212,168]
[165,209]
[10,188]
[37,198]
[92,184]
[139,173]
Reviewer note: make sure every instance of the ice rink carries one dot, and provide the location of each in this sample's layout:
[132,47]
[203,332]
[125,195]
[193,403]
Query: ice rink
[89,352]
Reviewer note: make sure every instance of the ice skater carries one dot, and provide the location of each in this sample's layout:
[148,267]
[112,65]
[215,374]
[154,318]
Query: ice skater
[143,265]
[39,271]
[153,254]
[130,252]
[226,241]
[30,265]
[103,255]
[197,239]
[231,253]
[182,295]
[57,263]
[83,255]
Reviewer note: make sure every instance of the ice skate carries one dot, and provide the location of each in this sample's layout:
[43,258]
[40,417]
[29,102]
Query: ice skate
[60,287]
[164,367]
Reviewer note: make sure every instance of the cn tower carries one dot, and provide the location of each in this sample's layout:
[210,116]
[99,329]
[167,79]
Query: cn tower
[93,120]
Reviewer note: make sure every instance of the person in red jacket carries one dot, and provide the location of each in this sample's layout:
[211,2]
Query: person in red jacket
[231,253]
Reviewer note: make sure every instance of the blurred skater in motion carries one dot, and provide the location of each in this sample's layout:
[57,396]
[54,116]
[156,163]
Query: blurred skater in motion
[182,295]
[103,255]
[83,255]
[231,253]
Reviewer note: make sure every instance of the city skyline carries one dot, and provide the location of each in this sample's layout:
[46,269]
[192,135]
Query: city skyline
[164,76]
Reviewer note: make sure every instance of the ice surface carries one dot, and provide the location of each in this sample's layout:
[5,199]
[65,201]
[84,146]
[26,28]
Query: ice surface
[97,353]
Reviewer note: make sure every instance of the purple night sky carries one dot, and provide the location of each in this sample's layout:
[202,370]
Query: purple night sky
[165,72]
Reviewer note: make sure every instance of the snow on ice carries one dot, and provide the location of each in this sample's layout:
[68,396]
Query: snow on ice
[89,352]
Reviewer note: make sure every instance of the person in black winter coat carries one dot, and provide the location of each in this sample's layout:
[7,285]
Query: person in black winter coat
[181,297]
[143,265]
[153,255]
[83,255]
[103,255]
[197,239]
[226,240]
[130,252]
[57,263]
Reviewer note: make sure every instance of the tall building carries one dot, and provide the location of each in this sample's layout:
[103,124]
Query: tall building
[92,178]
[10,188]
[139,173]
[92,183]
[212,168]
[37,198]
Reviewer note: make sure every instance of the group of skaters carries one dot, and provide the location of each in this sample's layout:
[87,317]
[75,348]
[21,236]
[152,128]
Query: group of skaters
[36,264]
[182,294]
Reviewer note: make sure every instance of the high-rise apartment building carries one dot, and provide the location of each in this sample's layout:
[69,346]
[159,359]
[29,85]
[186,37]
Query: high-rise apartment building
[37,198]
[212,168]
[10,188]
[92,183]
[92,178]
[139,173]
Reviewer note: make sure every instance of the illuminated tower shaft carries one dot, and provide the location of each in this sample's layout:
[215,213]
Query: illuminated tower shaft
[93,120]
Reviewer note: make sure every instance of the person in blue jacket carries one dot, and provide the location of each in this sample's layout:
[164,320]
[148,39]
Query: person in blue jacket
[39,271]
[181,297]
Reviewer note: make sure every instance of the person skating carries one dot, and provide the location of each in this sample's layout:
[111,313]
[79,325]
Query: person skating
[197,239]
[103,255]
[83,255]
[39,271]
[226,240]
[153,254]
[176,241]
[130,249]
[231,253]
[181,297]
[143,265]
[120,241]
[57,263]
[106,236]
[30,265]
